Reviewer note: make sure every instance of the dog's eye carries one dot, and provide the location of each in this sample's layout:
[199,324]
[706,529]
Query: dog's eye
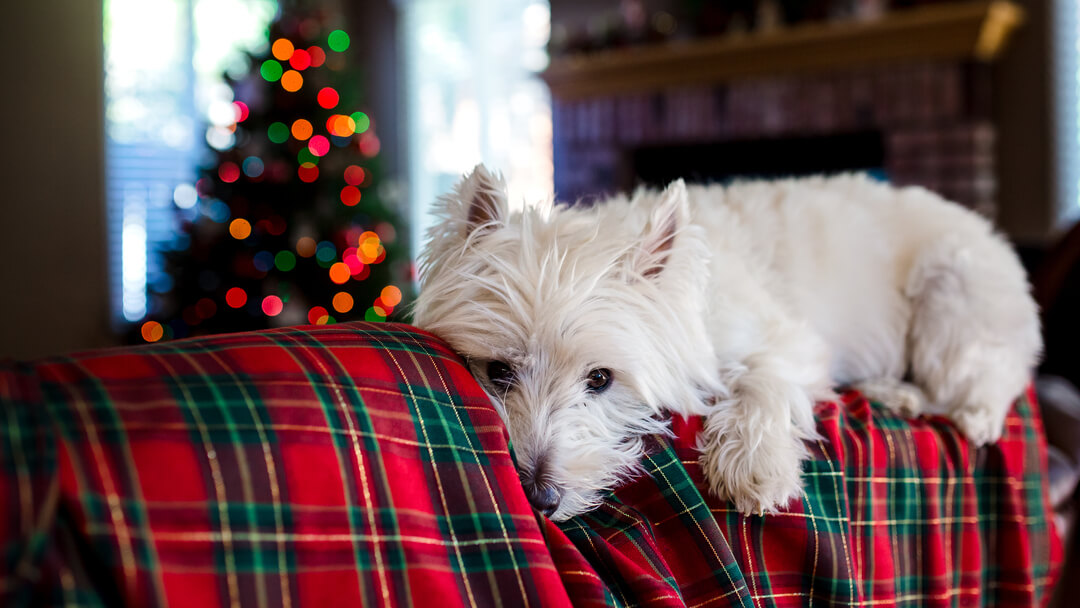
[597,380]
[500,374]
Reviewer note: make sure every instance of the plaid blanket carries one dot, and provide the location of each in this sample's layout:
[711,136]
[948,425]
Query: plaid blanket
[361,465]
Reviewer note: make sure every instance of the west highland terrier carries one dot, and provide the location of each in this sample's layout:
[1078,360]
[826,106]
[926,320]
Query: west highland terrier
[743,304]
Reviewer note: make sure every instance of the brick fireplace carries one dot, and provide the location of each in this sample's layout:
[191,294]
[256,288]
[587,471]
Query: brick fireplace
[930,121]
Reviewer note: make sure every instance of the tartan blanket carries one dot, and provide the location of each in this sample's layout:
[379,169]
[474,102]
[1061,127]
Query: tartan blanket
[360,464]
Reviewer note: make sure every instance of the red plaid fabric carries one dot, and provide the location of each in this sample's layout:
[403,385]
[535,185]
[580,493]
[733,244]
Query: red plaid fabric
[894,512]
[360,464]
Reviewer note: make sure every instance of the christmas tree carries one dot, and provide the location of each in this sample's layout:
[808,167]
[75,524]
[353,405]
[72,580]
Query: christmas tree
[288,227]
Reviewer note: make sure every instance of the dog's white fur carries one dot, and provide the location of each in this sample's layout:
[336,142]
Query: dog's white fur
[743,304]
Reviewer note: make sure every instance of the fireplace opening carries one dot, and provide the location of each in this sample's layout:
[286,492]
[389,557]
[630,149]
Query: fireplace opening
[759,158]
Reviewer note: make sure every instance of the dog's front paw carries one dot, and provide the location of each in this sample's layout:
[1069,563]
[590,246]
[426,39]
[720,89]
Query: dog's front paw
[760,474]
[980,425]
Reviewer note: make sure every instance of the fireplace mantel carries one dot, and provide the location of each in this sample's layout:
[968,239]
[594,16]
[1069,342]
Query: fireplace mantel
[977,30]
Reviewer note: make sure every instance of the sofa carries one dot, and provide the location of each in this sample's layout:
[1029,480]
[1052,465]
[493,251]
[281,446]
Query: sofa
[361,464]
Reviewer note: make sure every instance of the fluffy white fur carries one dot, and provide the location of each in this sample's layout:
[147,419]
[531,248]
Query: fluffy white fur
[743,304]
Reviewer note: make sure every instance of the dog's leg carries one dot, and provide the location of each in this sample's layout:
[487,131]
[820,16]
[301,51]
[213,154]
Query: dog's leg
[752,443]
[974,334]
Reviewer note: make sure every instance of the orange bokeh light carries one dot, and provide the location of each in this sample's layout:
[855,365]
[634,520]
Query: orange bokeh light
[291,81]
[282,49]
[391,295]
[343,302]
[152,331]
[240,228]
[301,129]
[339,273]
[370,247]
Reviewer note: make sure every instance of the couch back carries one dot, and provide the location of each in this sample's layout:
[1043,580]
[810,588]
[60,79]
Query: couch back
[346,465]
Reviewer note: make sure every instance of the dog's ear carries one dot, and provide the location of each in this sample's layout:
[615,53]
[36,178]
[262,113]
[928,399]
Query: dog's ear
[482,195]
[667,218]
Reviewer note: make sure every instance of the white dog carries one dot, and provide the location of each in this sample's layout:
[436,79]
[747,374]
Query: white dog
[742,304]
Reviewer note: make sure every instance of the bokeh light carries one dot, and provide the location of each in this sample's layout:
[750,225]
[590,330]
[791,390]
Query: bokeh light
[272,306]
[278,132]
[363,123]
[339,273]
[228,172]
[242,111]
[305,156]
[236,297]
[386,232]
[253,166]
[240,228]
[341,125]
[185,196]
[305,247]
[271,70]
[318,56]
[391,295]
[291,81]
[353,262]
[338,41]
[263,261]
[217,211]
[369,144]
[285,260]
[300,60]
[328,97]
[282,49]
[370,248]
[319,145]
[343,302]
[374,315]
[152,331]
[308,172]
[316,314]
[301,129]
[325,251]
[206,308]
[350,196]
[354,175]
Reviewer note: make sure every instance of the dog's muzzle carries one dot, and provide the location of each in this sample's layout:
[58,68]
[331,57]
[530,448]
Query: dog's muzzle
[542,494]
[543,497]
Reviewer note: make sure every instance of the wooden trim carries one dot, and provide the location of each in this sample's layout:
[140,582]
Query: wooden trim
[965,30]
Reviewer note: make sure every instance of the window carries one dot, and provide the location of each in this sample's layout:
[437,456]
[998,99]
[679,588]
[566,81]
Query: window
[165,99]
[1066,35]
[473,95]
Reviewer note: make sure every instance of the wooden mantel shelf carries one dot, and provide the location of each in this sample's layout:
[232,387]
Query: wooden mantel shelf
[976,30]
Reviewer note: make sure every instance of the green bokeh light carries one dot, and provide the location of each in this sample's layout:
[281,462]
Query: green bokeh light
[372,316]
[278,132]
[338,40]
[271,70]
[285,261]
[362,121]
[305,155]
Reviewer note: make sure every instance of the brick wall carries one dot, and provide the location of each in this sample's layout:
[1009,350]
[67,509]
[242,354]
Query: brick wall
[934,119]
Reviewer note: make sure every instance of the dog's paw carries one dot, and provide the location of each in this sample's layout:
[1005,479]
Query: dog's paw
[978,424]
[759,476]
[898,396]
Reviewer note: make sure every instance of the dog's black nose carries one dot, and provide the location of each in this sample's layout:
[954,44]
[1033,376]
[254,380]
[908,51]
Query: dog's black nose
[543,497]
